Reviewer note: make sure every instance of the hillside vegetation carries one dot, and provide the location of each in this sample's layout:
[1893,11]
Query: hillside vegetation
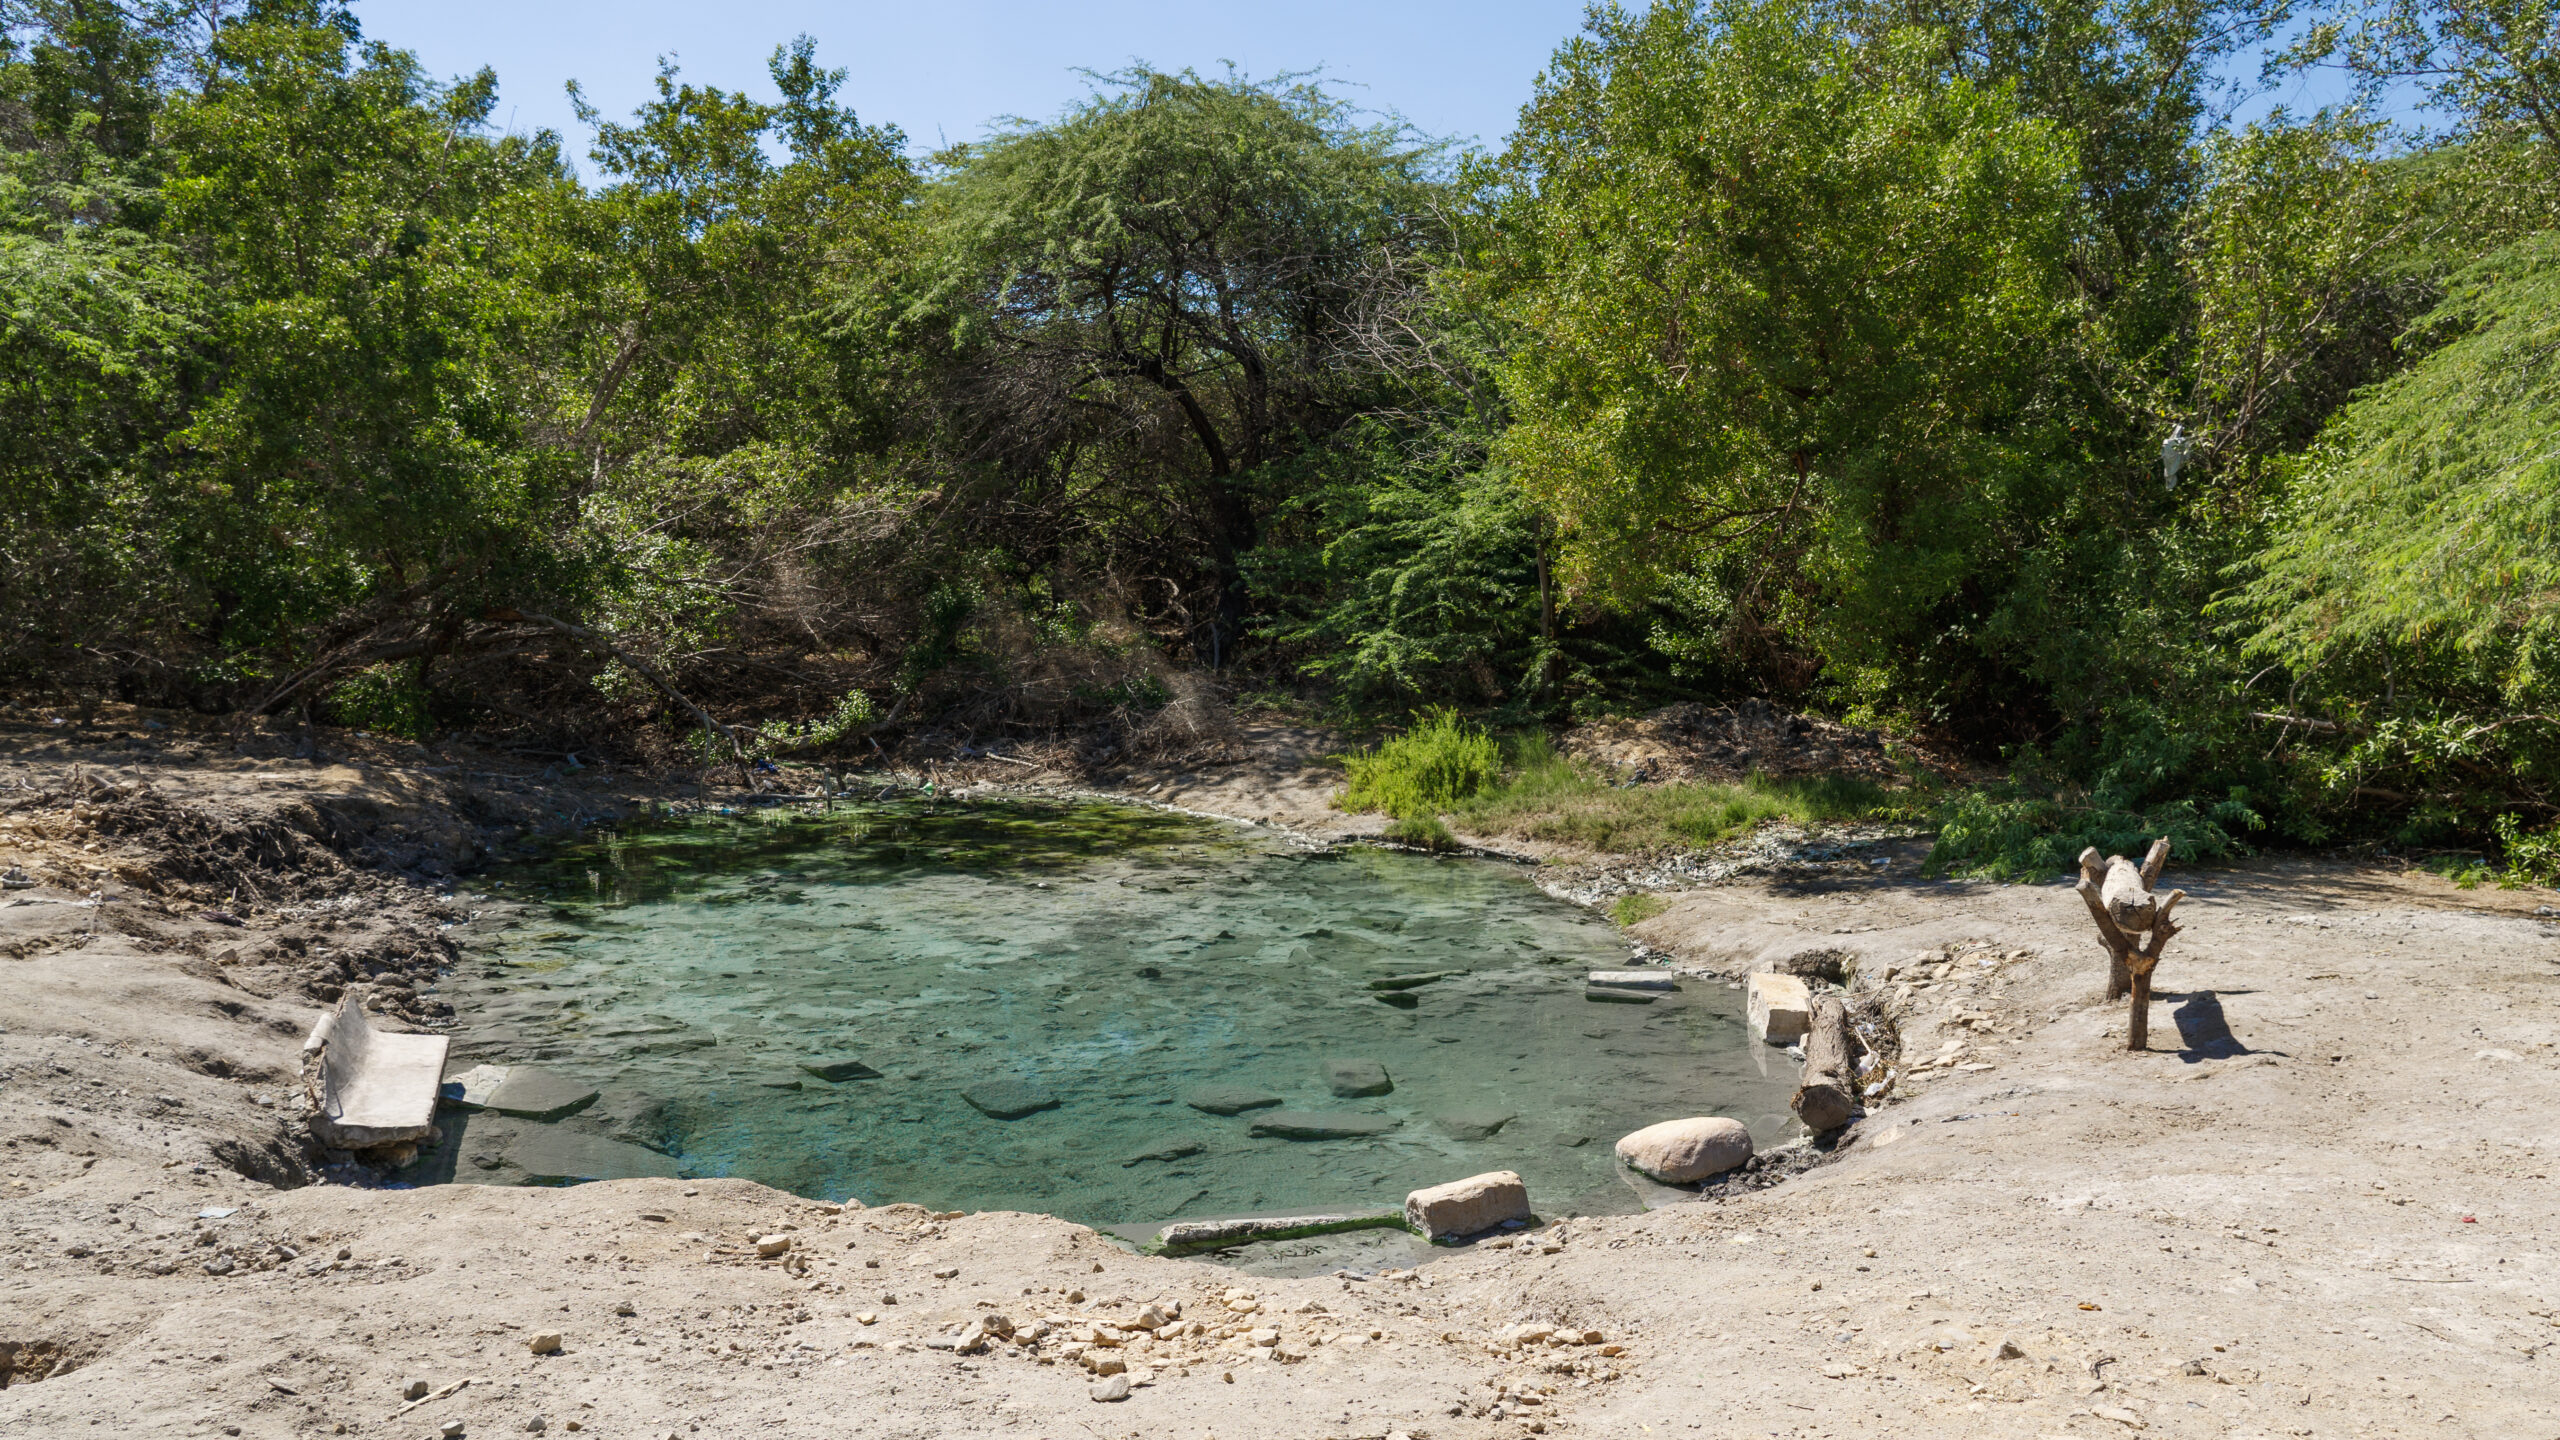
[1951,369]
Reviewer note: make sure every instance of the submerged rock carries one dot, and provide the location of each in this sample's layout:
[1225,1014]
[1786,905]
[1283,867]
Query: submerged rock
[1005,1098]
[1408,982]
[1170,1150]
[836,1071]
[1306,1125]
[531,1094]
[1228,1099]
[554,1156]
[1472,1124]
[1352,1077]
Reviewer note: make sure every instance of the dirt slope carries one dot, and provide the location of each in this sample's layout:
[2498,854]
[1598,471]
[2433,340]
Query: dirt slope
[2319,1206]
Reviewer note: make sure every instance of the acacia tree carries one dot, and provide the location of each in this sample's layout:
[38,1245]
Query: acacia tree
[1150,295]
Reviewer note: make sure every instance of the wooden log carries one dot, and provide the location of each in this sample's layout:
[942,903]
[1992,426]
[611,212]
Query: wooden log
[2119,945]
[1829,1095]
[2128,897]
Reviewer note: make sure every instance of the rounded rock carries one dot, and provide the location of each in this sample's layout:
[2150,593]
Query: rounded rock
[1115,1388]
[546,1343]
[1680,1152]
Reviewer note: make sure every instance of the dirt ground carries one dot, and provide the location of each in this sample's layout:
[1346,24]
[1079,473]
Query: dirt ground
[2318,1205]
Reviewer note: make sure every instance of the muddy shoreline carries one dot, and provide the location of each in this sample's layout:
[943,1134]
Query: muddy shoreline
[2320,1205]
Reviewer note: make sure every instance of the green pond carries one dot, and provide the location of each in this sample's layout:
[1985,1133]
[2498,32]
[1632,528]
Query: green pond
[1112,960]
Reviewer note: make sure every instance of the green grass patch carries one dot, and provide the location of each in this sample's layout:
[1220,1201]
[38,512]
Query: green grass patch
[1446,767]
[1637,908]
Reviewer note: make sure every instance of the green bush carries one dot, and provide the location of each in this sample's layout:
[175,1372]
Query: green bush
[1441,761]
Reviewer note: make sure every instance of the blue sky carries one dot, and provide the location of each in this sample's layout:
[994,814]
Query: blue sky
[943,71]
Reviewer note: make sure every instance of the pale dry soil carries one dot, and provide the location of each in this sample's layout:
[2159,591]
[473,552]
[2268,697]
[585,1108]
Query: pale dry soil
[2318,1205]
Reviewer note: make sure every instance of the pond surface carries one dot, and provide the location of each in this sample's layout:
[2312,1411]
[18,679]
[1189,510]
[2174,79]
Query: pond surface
[1111,959]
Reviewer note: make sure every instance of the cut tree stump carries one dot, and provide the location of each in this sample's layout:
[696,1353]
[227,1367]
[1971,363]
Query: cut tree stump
[2120,899]
[1829,1094]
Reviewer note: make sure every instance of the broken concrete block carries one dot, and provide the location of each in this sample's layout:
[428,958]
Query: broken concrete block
[1781,1008]
[377,1087]
[1464,1207]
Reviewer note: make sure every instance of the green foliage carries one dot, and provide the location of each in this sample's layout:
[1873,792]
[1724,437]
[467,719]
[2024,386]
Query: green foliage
[1636,907]
[1552,799]
[2034,823]
[1442,760]
[1782,300]
[2533,857]
[384,698]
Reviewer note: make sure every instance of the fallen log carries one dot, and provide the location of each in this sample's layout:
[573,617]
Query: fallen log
[1829,1095]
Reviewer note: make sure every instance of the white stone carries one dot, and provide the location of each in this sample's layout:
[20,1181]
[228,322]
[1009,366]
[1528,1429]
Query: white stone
[1115,1388]
[772,1244]
[1781,1008]
[1464,1207]
[1636,979]
[546,1343]
[1678,1152]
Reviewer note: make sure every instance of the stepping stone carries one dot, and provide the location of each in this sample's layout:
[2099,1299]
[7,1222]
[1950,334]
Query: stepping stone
[1408,982]
[1351,1078]
[1303,1125]
[1170,1150]
[531,1094]
[1636,979]
[836,1071]
[552,1157]
[1472,1124]
[1008,1099]
[1610,995]
[1398,999]
[471,1089]
[1228,1099]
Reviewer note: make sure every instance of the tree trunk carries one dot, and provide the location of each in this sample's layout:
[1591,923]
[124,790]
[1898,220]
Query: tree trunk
[1829,1094]
[2140,1037]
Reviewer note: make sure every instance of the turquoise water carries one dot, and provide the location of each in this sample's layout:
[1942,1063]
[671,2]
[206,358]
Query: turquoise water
[1110,958]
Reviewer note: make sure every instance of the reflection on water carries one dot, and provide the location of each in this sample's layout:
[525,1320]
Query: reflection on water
[1110,958]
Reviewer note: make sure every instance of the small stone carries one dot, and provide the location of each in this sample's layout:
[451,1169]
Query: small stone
[2009,1351]
[546,1343]
[625,1307]
[1680,1152]
[2120,1416]
[414,1390]
[1351,1078]
[867,1317]
[537,1424]
[450,1430]
[1464,1207]
[772,1244]
[1114,1389]
[838,1071]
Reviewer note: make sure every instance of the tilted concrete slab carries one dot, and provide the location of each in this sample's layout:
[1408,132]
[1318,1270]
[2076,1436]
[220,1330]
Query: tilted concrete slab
[377,1087]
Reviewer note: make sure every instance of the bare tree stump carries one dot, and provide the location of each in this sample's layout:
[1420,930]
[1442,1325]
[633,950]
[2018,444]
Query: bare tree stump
[2121,901]
[1829,1094]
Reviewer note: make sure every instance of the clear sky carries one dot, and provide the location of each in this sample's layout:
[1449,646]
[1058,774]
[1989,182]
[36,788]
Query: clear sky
[943,69]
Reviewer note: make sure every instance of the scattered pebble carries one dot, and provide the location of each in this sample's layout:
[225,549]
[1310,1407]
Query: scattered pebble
[546,1343]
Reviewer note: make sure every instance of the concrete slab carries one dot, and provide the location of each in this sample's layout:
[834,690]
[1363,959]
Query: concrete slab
[551,1157]
[1780,1007]
[471,1089]
[377,1087]
[539,1094]
[1303,1125]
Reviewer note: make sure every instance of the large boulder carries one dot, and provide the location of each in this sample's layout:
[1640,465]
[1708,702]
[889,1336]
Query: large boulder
[1464,1207]
[1681,1152]
[1351,1078]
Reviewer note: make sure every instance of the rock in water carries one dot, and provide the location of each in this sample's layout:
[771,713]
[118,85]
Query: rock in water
[1463,1207]
[1781,1008]
[1228,1099]
[1472,1124]
[837,1071]
[1351,1078]
[1005,1098]
[1169,1150]
[472,1088]
[531,1094]
[1301,1125]
[557,1156]
[1681,1152]
[1408,982]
